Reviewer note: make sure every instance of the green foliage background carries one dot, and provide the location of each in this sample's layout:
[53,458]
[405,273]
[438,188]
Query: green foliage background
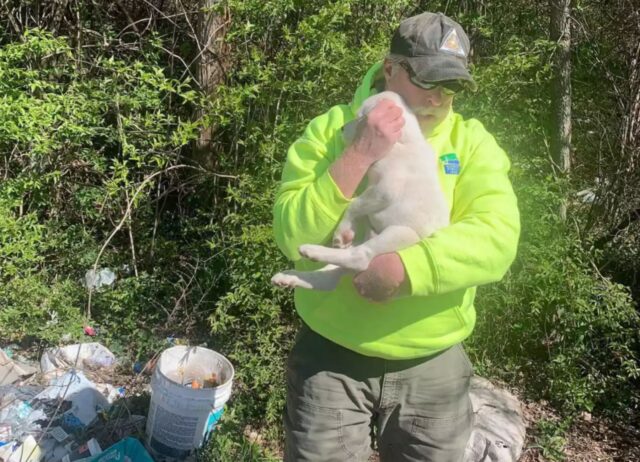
[82,130]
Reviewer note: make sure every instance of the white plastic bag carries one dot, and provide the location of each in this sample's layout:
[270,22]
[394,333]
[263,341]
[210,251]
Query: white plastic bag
[92,357]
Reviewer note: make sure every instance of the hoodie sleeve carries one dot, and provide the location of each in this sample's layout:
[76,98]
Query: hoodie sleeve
[480,243]
[309,204]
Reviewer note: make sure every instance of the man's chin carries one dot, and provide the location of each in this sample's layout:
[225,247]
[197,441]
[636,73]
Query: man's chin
[427,122]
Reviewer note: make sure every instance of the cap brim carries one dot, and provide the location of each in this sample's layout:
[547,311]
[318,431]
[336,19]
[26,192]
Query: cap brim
[438,68]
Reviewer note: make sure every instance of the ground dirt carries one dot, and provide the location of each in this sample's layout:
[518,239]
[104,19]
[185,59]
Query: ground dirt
[589,439]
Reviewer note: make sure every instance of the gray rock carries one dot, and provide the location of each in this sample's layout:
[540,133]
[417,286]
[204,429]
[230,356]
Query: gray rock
[499,428]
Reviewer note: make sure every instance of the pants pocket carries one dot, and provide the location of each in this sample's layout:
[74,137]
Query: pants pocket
[316,433]
[440,439]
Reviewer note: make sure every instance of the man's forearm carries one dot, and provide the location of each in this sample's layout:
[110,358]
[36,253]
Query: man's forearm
[349,170]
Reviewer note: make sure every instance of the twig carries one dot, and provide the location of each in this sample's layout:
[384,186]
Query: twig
[159,11]
[186,66]
[183,295]
[128,212]
[133,246]
[195,34]
[132,23]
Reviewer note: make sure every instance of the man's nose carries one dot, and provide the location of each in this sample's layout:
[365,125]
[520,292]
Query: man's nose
[433,97]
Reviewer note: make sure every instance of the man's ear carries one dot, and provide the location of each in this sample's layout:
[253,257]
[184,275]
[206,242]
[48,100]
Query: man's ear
[387,69]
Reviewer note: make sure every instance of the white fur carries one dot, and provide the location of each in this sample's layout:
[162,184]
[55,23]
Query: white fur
[403,203]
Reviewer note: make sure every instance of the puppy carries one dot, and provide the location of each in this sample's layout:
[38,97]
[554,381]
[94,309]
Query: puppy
[402,204]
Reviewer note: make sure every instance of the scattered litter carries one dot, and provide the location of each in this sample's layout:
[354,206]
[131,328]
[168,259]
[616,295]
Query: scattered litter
[84,451]
[112,393]
[90,331]
[11,370]
[17,417]
[100,278]
[6,450]
[92,356]
[146,368]
[587,196]
[8,350]
[29,451]
[129,449]
[58,434]
[86,400]
[72,410]
[137,367]
[5,434]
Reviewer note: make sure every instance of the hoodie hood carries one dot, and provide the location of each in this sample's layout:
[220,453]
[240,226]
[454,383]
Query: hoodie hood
[367,87]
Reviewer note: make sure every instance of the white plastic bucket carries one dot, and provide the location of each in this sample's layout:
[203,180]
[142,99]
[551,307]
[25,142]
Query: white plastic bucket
[181,417]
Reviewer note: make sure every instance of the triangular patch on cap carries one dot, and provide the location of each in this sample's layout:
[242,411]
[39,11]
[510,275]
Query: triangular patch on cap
[451,43]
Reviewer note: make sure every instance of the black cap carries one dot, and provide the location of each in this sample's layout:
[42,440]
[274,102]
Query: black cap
[435,47]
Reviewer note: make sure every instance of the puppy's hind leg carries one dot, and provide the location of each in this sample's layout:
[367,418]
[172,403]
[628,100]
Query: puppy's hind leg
[357,258]
[326,278]
[391,239]
[370,201]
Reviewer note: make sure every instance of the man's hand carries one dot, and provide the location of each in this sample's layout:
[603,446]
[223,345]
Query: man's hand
[373,137]
[379,130]
[383,279]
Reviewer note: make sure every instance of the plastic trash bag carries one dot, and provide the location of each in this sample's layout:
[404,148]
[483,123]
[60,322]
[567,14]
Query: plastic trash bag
[92,356]
[86,400]
[100,278]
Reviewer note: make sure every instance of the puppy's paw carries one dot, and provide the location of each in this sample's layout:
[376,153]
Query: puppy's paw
[343,238]
[289,280]
[312,252]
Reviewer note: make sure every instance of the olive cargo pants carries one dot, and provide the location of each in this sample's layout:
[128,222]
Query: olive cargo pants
[339,401]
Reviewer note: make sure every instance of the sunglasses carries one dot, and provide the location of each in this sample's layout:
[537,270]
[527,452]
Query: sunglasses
[448,87]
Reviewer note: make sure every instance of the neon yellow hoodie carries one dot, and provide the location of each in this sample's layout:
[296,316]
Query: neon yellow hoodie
[443,270]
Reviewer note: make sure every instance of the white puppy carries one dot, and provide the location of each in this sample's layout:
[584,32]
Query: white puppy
[403,203]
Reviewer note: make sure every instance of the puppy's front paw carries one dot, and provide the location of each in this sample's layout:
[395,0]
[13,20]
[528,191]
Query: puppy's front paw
[312,252]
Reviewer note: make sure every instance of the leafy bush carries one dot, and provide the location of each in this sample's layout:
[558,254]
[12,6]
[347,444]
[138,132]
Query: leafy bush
[555,325]
[81,146]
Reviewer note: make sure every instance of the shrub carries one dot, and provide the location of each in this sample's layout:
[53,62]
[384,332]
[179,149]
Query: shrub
[555,324]
[81,144]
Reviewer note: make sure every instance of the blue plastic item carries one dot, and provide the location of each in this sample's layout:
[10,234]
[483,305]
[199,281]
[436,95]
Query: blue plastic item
[126,450]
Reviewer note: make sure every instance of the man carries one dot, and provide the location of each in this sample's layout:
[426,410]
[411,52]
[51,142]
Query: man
[381,355]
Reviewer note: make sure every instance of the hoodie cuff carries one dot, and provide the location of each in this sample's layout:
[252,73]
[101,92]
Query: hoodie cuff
[420,269]
[329,198]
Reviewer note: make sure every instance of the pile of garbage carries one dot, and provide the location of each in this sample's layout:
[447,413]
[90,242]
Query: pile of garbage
[66,408]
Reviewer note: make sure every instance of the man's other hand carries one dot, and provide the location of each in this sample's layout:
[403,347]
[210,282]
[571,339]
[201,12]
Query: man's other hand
[383,279]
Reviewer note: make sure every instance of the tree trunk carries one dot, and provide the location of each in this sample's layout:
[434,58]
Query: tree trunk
[560,32]
[210,70]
